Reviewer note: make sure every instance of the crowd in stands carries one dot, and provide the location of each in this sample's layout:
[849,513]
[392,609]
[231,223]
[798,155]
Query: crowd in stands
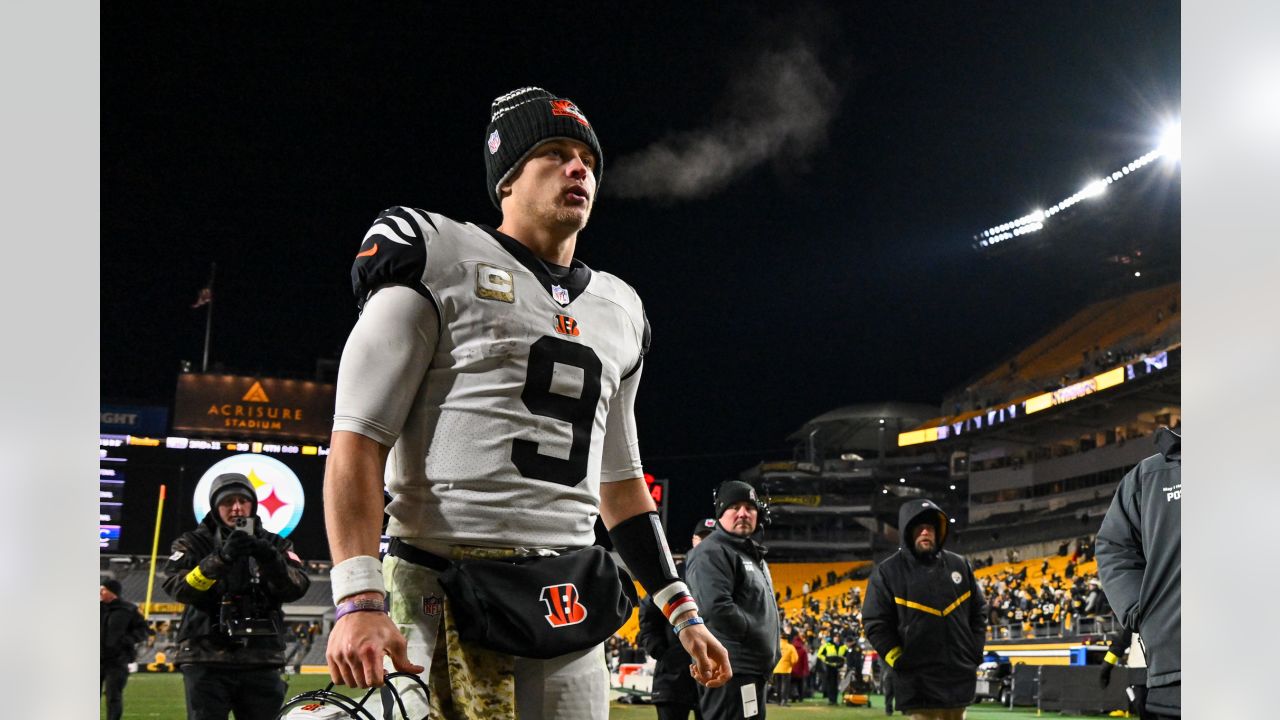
[1056,596]
[1058,606]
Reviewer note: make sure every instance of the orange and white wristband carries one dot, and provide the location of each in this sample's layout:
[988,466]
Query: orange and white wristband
[674,600]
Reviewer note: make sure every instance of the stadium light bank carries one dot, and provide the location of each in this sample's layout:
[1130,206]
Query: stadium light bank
[1169,148]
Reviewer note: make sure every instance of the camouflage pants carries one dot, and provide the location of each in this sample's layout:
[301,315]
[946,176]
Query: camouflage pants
[472,683]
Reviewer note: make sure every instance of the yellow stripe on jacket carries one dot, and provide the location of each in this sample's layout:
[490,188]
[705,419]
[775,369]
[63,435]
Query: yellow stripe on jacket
[932,611]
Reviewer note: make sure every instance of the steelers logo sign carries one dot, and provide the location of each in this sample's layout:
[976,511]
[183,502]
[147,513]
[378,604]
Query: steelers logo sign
[280,496]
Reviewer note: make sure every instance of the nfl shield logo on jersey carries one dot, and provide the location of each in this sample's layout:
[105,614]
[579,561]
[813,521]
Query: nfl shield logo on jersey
[494,142]
[560,294]
[432,605]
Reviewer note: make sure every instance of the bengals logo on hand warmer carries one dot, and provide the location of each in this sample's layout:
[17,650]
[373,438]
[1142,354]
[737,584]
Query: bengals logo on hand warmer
[563,608]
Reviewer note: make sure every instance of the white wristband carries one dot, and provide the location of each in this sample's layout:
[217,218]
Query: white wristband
[663,596]
[358,574]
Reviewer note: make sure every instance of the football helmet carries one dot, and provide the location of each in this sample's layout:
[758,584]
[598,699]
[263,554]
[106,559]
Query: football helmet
[327,704]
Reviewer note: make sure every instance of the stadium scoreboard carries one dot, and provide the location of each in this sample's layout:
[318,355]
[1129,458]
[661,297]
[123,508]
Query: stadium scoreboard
[288,478]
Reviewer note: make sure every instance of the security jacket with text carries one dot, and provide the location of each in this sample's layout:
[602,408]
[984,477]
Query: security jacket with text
[1139,552]
[730,580]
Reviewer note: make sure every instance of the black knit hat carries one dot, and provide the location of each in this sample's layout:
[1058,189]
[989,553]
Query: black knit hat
[735,491]
[704,527]
[232,484]
[113,585]
[523,119]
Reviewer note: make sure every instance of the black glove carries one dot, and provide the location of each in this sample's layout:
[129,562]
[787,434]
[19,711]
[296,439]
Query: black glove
[237,545]
[264,552]
[1104,677]
[261,549]
[270,559]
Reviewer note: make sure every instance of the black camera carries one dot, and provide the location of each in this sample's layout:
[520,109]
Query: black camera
[247,616]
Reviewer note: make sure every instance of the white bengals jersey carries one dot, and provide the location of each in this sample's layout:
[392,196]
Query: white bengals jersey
[505,393]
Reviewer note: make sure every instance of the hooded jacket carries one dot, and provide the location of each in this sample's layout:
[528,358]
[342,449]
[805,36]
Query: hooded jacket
[1139,551]
[197,576]
[730,581]
[926,616]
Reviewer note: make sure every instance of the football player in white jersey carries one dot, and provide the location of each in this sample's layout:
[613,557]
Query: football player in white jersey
[490,383]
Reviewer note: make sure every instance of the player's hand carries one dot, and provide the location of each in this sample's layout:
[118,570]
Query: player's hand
[357,645]
[710,660]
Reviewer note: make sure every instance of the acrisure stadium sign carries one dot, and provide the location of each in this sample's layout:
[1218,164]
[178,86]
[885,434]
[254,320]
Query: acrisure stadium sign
[239,405]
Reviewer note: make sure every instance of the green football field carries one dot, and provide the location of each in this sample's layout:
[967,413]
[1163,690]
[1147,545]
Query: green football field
[159,696]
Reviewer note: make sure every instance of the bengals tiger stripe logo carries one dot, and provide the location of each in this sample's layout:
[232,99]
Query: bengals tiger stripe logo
[563,608]
[566,325]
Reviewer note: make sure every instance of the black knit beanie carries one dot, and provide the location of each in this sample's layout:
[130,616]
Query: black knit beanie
[735,491]
[232,484]
[525,118]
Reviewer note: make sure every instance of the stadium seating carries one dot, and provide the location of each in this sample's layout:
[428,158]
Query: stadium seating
[795,575]
[1057,565]
[1146,321]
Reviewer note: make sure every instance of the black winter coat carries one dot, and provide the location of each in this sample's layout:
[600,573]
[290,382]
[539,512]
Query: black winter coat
[933,609]
[201,638]
[672,682]
[730,581]
[122,629]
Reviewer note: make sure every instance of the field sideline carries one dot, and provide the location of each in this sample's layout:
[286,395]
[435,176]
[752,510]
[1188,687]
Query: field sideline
[158,696]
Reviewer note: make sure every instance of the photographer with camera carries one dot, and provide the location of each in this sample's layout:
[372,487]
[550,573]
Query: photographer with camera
[234,577]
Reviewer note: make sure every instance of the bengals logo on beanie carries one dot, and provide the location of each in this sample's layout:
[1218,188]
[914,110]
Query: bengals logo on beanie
[523,119]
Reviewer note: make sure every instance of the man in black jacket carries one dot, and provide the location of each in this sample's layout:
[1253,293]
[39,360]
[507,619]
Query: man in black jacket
[231,643]
[122,629]
[924,614]
[1139,551]
[728,575]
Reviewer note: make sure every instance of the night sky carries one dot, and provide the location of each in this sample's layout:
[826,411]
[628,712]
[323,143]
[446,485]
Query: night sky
[792,190]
